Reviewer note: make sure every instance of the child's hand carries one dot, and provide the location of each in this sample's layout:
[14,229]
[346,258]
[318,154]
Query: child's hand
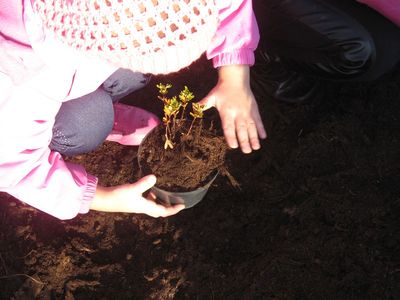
[237,108]
[128,198]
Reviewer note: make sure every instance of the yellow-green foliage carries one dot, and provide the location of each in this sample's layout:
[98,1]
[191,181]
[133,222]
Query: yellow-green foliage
[172,106]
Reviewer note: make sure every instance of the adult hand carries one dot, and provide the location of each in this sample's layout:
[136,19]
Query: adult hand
[128,198]
[237,107]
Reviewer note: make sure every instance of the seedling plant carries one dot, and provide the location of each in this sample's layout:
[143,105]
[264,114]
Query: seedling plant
[175,113]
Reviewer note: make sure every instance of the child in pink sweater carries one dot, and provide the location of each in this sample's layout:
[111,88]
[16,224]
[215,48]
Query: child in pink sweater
[65,64]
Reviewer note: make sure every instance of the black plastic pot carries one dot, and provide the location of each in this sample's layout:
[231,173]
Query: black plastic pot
[189,199]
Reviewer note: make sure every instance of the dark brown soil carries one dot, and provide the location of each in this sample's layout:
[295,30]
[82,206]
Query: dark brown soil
[317,216]
[196,157]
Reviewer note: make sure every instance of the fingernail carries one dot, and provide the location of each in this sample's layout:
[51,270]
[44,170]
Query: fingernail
[233,146]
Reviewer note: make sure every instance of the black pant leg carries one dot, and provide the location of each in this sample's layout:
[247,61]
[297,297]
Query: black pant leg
[332,39]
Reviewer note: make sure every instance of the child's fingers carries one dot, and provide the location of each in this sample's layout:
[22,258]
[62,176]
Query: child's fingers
[155,210]
[144,184]
[253,135]
[208,102]
[228,126]
[243,135]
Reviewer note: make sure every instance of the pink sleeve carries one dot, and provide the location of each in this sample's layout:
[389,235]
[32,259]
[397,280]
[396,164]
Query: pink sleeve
[388,8]
[237,35]
[29,170]
[32,88]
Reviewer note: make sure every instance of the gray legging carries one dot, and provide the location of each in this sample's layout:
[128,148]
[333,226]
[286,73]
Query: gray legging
[82,124]
[331,39]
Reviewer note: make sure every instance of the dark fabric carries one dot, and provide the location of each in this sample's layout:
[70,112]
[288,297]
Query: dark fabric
[335,40]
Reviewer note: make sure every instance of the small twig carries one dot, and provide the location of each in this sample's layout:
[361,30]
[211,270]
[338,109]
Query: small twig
[232,180]
[26,255]
[193,160]
[26,275]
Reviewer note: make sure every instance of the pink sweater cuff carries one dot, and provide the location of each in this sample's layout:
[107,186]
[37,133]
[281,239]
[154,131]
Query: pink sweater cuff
[88,194]
[236,57]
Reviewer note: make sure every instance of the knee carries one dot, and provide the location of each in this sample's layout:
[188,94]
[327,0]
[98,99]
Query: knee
[83,128]
[123,82]
[356,58]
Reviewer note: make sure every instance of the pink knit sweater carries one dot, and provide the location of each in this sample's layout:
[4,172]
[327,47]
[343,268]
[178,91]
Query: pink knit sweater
[38,73]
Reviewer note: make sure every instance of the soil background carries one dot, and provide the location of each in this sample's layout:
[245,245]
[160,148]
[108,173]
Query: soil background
[316,217]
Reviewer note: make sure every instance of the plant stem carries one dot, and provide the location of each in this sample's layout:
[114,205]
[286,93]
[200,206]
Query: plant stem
[173,126]
[201,126]
[183,112]
[168,130]
[191,125]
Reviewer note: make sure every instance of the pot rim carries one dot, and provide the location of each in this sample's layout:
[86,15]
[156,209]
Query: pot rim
[204,186]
